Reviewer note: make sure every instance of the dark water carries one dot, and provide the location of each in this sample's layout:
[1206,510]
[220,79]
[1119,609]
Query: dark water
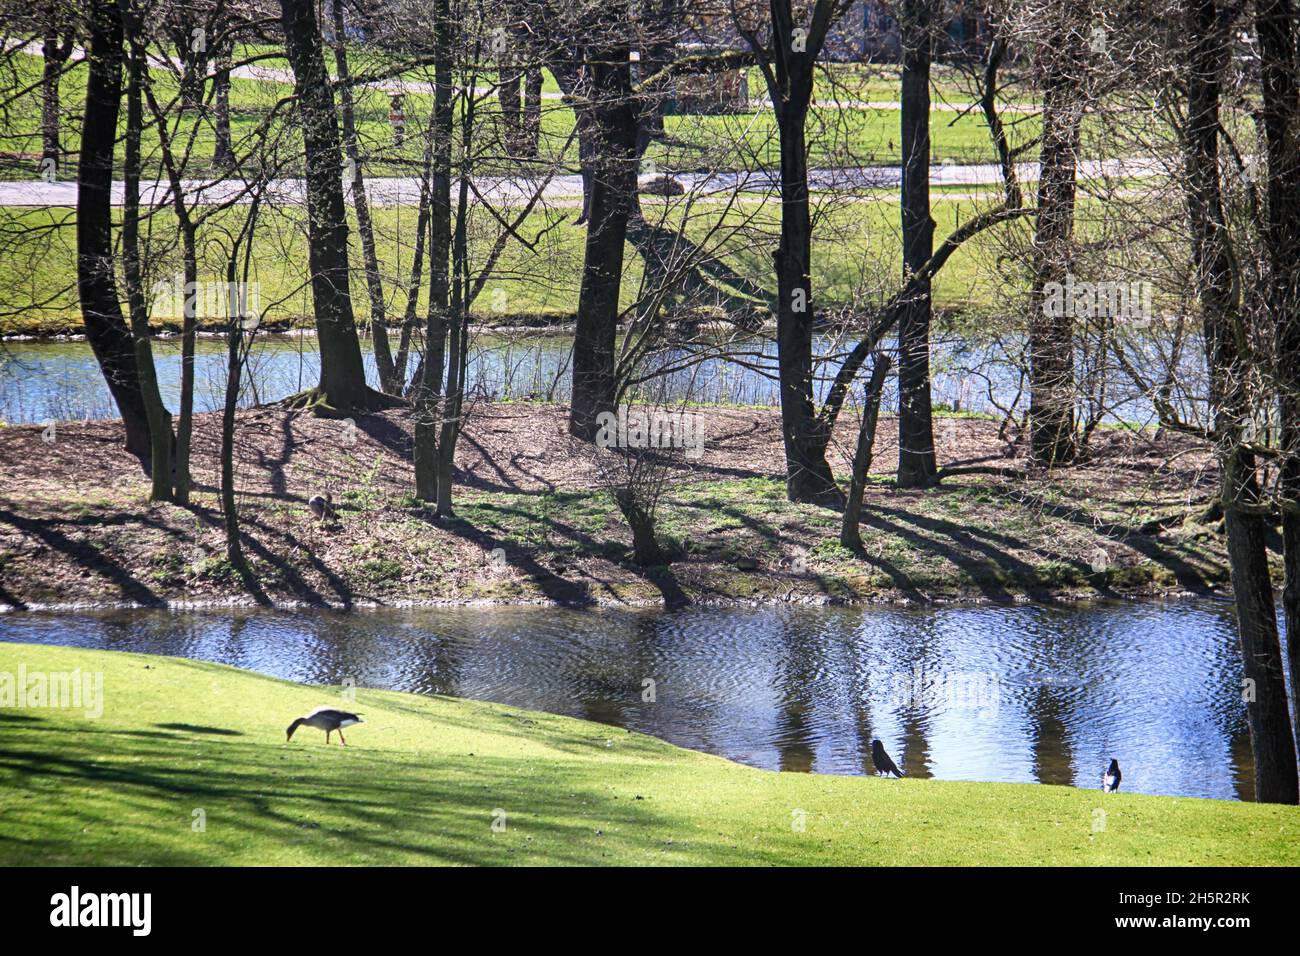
[60,381]
[1023,694]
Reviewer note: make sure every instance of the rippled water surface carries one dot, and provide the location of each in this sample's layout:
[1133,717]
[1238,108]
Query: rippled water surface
[60,380]
[1023,694]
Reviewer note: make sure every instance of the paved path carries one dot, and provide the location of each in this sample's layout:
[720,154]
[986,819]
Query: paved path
[513,191]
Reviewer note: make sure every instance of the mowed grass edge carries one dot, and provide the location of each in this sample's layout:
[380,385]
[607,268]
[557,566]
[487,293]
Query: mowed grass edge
[188,765]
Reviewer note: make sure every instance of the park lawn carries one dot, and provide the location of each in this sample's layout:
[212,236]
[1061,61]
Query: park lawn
[188,765]
[836,137]
[856,256]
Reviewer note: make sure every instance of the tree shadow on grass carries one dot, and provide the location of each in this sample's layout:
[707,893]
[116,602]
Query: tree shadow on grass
[134,801]
[85,555]
[662,576]
[197,729]
[557,589]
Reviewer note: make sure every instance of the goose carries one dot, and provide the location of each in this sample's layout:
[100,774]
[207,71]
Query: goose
[1111,778]
[327,719]
[881,760]
[322,506]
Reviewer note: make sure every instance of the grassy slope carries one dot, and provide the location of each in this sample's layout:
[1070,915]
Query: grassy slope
[422,778]
[42,268]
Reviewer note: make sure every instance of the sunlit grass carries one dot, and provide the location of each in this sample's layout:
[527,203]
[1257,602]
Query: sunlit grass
[188,765]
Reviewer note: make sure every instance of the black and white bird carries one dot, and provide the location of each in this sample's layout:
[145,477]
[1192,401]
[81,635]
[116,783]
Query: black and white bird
[327,719]
[1111,778]
[881,760]
[322,507]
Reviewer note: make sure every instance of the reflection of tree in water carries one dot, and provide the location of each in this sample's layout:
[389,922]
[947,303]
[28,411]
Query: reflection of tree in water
[912,711]
[1243,763]
[1053,759]
[797,670]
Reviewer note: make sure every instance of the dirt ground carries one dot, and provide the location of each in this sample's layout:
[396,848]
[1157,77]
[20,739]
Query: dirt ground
[534,524]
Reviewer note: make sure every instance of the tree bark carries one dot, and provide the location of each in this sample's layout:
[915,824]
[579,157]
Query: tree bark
[101,310]
[189,324]
[365,226]
[1280,114]
[160,420]
[1051,336]
[916,458]
[790,83]
[509,97]
[1217,281]
[428,378]
[54,55]
[342,372]
[532,132]
[645,545]
[613,196]
[223,153]
[850,535]
[230,515]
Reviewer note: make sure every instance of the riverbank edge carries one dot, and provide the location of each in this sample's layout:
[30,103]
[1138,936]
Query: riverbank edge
[423,773]
[1062,598]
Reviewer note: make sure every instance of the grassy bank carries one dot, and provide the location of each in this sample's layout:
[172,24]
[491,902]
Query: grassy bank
[188,765]
[533,523]
[857,254]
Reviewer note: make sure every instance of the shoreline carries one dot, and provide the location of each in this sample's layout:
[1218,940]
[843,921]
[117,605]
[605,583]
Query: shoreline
[241,602]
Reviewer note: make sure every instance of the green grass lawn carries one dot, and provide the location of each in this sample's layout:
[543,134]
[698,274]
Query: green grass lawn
[424,778]
[856,253]
[746,140]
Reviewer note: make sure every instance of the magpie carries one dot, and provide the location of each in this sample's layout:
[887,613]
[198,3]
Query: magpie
[1111,778]
[881,760]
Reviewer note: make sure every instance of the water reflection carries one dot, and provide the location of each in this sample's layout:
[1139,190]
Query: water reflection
[1004,694]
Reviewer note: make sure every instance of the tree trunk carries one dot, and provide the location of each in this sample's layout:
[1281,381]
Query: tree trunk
[645,546]
[422,221]
[1266,702]
[428,378]
[101,310]
[532,132]
[613,196]
[54,56]
[223,153]
[789,80]
[160,420]
[1280,114]
[365,226]
[1051,330]
[509,90]
[342,372]
[189,324]
[850,536]
[234,549]
[808,476]
[453,405]
[916,459]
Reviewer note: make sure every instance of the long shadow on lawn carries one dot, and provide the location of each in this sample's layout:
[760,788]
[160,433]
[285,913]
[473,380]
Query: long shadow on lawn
[84,554]
[347,805]
[661,577]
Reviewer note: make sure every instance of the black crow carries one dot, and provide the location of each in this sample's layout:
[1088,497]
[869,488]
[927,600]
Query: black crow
[1111,778]
[881,760]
